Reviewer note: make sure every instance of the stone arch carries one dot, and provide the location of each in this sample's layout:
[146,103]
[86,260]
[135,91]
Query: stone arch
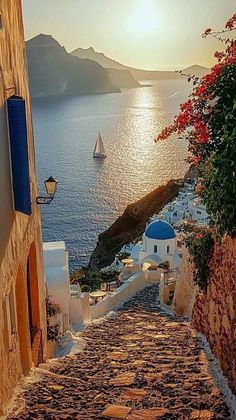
[33,306]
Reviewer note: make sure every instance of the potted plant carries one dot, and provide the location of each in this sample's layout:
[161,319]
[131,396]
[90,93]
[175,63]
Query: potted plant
[53,327]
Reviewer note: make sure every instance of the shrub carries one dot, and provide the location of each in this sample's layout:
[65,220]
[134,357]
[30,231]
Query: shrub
[122,255]
[85,288]
[79,274]
[110,275]
[207,120]
[200,244]
[53,330]
[219,193]
[92,280]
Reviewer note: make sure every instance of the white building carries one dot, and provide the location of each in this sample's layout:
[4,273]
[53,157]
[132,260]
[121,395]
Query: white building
[57,277]
[73,304]
[159,244]
[198,211]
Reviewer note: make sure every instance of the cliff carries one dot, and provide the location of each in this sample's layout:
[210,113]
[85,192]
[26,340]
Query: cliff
[120,76]
[123,79]
[53,71]
[100,58]
[131,224]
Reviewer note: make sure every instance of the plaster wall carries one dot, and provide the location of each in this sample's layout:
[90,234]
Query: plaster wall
[17,231]
[57,275]
[122,293]
[148,248]
[81,312]
[185,289]
[79,309]
[155,275]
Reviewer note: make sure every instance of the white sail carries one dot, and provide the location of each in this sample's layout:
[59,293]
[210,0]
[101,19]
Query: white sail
[99,150]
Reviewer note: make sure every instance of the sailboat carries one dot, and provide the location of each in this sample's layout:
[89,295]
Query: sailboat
[99,151]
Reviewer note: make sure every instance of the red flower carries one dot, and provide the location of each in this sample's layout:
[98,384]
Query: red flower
[202,133]
[194,113]
[195,160]
[219,55]
[166,132]
[199,236]
[230,23]
[199,189]
[200,90]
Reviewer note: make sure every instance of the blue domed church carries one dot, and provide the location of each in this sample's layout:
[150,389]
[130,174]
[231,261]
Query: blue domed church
[159,243]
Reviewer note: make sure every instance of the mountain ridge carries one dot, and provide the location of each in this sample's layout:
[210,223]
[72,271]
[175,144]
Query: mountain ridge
[138,74]
[53,71]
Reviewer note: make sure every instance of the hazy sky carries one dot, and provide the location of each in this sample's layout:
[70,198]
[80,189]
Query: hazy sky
[151,34]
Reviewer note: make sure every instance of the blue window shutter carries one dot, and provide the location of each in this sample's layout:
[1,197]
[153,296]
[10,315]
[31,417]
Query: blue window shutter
[19,154]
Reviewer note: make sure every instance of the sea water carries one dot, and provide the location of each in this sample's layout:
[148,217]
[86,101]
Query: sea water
[92,193]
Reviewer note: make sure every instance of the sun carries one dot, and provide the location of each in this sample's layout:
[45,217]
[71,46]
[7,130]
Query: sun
[143,21]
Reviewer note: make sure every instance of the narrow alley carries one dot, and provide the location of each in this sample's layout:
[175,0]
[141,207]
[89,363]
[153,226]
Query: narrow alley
[140,364]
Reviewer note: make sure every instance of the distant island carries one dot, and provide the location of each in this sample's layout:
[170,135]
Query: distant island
[55,72]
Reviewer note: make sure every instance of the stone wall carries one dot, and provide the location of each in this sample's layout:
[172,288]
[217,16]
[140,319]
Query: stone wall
[20,235]
[214,313]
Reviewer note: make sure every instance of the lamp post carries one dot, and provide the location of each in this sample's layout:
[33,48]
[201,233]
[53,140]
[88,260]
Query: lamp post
[51,187]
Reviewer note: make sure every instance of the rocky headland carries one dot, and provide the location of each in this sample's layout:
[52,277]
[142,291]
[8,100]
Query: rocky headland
[53,71]
[122,79]
[131,224]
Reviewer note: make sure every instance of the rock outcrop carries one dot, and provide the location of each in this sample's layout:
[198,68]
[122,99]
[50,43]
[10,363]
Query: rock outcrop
[120,76]
[131,224]
[53,71]
[102,59]
[123,79]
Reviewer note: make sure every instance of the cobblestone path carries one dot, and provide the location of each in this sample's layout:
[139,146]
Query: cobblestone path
[139,365]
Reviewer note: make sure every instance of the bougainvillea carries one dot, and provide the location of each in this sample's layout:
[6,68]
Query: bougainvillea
[203,120]
[200,244]
[219,187]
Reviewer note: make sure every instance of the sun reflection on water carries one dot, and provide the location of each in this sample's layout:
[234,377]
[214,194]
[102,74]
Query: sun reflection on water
[137,165]
[92,194]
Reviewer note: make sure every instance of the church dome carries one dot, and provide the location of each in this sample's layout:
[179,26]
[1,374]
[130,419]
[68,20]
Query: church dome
[159,229]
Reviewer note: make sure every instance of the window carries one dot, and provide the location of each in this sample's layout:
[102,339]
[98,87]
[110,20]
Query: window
[19,153]
[155,249]
[168,249]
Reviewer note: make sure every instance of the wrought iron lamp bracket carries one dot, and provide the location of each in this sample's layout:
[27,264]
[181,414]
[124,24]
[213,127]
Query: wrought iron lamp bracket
[44,200]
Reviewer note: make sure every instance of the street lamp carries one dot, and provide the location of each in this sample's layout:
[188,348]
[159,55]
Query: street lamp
[51,187]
